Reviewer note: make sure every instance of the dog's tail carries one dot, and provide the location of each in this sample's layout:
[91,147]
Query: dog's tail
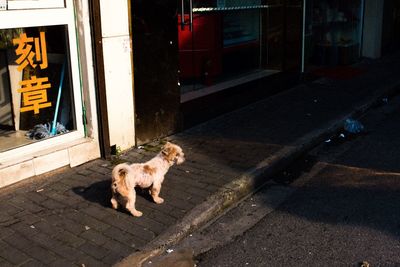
[119,179]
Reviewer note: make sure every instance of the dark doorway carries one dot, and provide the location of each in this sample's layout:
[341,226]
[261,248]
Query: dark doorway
[155,55]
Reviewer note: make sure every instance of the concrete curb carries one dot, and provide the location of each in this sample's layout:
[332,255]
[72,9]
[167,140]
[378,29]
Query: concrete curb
[248,182]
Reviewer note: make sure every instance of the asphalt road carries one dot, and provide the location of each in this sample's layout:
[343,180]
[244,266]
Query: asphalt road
[345,210]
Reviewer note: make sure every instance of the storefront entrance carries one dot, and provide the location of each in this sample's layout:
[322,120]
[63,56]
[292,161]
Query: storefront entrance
[40,97]
[187,50]
[333,33]
[225,43]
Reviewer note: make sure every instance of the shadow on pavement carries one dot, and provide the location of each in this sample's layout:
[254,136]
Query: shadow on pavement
[100,193]
[343,196]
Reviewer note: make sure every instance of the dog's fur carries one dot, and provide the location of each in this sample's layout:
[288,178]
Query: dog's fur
[150,175]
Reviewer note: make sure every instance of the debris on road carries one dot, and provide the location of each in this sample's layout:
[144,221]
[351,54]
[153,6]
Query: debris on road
[353,126]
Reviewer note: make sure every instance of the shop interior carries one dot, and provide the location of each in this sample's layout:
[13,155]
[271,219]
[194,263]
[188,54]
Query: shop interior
[228,43]
[36,100]
[333,32]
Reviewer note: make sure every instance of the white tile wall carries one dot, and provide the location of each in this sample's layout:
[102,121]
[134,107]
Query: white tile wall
[16,173]
[51,161]
[76,157]
[119,91]
[114,17]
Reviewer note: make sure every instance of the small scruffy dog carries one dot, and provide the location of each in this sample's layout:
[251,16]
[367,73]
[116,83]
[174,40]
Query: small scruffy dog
[150,175]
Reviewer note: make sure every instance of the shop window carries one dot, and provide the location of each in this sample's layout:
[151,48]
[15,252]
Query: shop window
[36,89]
[333,32]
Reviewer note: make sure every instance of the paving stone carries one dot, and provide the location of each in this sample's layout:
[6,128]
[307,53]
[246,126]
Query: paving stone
[70,239]
[124,237]
[18,241]
[87,260]
[24,229]
[212,188]
[83,219]
[3,244]
[178,213]
[35,197]
[6,219]
[52,204]
[93,250]
[165,207]
[94,237]
[56,246]
[181,204]
[112,258]
[66,199]
[28,217]
[150,224]
[163,218]
[4,263]
[26,204]
[40,254]
[65,224]
[104,171]
[73,181]
[13,255]
[61,263]
[119,248]
[60,187]
[198,192]
[47,228]
[5,232]
[8,208]
[190,183]
[97,212]
[84,171]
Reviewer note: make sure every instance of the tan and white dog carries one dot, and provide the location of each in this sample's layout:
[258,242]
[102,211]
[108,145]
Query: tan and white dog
[150,175]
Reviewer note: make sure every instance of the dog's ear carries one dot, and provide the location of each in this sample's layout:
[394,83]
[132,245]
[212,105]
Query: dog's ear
[122,173]
[166,149]
[168,152]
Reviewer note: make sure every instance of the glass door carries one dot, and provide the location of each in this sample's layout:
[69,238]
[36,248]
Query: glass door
[333,31]
[222,43]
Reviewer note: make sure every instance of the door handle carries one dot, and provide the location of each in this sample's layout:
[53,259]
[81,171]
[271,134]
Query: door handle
[182,15]
[183,22]
[191,15]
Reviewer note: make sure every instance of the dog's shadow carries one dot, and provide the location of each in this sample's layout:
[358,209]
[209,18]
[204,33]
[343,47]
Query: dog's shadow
[100,193]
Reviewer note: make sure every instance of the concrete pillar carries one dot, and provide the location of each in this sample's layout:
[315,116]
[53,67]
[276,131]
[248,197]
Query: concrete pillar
[118,72]
[372,31]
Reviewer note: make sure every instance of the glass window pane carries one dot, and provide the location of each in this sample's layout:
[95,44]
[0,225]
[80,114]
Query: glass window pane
[35,85]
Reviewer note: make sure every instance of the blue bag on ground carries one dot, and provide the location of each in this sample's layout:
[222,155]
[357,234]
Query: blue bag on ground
[353,126]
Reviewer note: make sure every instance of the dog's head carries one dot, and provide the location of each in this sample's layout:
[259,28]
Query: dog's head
[173,153]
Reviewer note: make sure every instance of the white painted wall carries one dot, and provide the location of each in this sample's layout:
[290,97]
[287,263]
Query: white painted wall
[118,72]
[372,31]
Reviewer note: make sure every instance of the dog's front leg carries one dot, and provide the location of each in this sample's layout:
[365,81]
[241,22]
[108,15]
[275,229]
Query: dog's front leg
[155,191]
[114,202]
[130,204]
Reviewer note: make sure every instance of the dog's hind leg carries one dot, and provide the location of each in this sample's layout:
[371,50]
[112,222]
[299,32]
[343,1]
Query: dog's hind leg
[155,191]
[130,204]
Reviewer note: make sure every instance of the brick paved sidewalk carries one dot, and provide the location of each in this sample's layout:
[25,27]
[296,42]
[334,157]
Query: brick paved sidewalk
[65,218]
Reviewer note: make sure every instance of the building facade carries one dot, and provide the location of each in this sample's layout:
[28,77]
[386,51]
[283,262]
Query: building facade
[81,78]
[50,90]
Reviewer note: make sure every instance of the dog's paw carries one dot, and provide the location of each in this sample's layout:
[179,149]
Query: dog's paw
[114,203]
[158,200]
[137,213]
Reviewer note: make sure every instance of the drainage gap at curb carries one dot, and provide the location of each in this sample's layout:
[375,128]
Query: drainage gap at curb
[300,166]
